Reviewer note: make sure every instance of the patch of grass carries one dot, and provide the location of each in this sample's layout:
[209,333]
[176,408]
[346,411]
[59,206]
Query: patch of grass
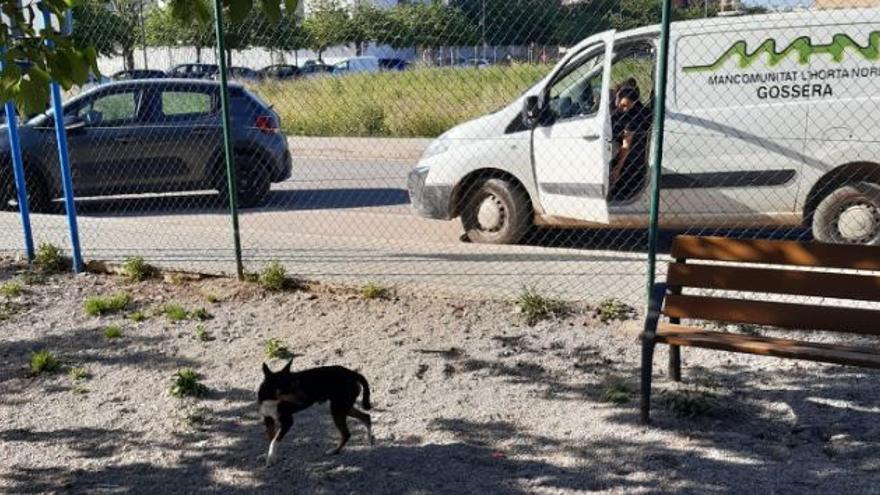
[616,391]
[135,269]
[374,291]
[202,333]
[113,332]
[185,383]
[44,361]
[274,277]
[176,278]
[211,297]
[688,402]
[175,312]
[137,316]
[79,373]
[201,314]
[11,289]
[7,310]
[198,418]
[534,307]
[49,258]
[614,310]
[79,389]
[275,349]
[99,306]
[422,102]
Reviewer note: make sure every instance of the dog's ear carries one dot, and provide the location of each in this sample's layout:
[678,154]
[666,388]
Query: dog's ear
[286,368]
[266,371]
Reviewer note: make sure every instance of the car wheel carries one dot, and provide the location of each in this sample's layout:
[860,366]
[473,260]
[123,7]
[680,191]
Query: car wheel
[253,182]
[849,215]
[39,199]
[496,212]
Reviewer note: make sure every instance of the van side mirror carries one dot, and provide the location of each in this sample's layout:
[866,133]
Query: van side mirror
[531,112]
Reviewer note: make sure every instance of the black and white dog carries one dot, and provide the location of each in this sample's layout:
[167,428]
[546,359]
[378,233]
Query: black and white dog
[284,393]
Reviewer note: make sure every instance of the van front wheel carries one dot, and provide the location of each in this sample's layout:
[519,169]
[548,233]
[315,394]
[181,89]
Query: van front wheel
[849,215]
[496,212]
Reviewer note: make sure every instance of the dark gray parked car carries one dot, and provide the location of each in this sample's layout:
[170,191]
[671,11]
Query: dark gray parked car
[150,136]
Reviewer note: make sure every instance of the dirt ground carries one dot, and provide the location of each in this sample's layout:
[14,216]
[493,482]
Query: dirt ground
[467,399]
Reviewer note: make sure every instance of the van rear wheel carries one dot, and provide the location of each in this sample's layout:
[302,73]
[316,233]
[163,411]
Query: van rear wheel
[849,215]
[496,211]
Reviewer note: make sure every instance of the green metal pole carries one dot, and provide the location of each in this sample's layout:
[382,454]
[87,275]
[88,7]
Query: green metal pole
[657,140]
[227,136]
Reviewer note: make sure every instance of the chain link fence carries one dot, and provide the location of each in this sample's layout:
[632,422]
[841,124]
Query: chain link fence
[477,146]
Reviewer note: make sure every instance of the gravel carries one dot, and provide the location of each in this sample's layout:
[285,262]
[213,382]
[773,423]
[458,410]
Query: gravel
[467,399]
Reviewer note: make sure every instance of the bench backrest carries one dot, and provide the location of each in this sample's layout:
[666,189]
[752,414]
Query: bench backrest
[774,267]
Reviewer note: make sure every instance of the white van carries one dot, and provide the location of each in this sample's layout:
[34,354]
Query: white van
[356,65]
[771,120]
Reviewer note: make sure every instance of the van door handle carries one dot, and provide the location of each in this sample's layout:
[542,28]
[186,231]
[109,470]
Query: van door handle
[591,137]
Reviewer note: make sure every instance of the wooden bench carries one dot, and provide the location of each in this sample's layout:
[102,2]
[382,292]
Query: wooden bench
[762,268]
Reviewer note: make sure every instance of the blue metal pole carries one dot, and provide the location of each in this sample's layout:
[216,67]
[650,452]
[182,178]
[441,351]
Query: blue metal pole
[64,163]
[18,173]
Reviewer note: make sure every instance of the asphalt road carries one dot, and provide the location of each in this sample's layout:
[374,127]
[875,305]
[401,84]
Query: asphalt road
[344,218]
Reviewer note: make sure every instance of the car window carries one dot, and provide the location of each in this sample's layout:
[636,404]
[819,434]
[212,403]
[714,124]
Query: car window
[109,110]
[176,103]
[578,91]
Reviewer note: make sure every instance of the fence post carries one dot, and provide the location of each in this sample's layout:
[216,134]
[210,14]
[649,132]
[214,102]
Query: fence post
[18,174]
[64,162]
[657,140]
[227,136]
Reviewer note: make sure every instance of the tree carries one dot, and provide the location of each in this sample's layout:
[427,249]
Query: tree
[163,29]
[328,25]
[66,61]
[97,26]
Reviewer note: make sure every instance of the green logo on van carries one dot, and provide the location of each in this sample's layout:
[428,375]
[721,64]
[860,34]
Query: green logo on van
[802,47]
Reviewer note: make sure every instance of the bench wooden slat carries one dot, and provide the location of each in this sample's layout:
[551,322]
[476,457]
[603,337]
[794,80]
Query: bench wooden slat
[777,252]
[766,346]
[785,315]
[775,281]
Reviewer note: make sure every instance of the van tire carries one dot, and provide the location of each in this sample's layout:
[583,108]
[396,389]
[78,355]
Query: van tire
[496,211]
[858,201]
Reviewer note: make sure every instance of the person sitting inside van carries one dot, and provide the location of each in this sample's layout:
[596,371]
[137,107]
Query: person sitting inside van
[631,128]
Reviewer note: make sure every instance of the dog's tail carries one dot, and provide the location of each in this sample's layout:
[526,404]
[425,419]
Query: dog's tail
[366,386]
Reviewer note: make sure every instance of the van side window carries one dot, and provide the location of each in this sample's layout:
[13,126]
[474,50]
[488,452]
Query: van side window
[577,92]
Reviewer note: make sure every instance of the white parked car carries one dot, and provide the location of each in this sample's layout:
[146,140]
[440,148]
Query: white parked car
[771,120]
[356,65]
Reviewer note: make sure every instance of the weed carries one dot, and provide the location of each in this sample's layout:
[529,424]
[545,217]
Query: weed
[274,277]
[274,348]
[202,333]
[79,373]
[7,310]
[616,391]
[79,389]
[43,361]
[136,269]
[137,316]
[688,402]
[175,312]
[534,307]
[32,277]
[49,258]
[251,277]
[11,289]
[113,332]
[201,314]
[198,418]
[185,383]
[614,310]
[176,278]
[374,291]
[98,306]
[210,297]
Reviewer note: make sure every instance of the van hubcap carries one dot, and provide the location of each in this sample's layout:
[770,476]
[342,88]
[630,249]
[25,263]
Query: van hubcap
[859,222]
[491,214]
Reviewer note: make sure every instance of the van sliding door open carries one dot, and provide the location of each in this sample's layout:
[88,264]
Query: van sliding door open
[572,145]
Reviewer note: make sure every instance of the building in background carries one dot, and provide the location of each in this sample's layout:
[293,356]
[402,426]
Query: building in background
[845,4]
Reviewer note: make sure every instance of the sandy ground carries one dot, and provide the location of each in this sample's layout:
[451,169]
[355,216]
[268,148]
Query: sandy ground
[468,399]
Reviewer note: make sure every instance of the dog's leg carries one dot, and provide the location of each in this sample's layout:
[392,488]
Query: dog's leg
[286,423]
[339,418]
[366,420]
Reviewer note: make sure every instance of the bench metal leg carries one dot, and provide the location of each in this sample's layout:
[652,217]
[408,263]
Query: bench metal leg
[675,363]
[647,368]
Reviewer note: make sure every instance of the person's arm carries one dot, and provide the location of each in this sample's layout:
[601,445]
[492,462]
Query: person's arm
[625,149]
